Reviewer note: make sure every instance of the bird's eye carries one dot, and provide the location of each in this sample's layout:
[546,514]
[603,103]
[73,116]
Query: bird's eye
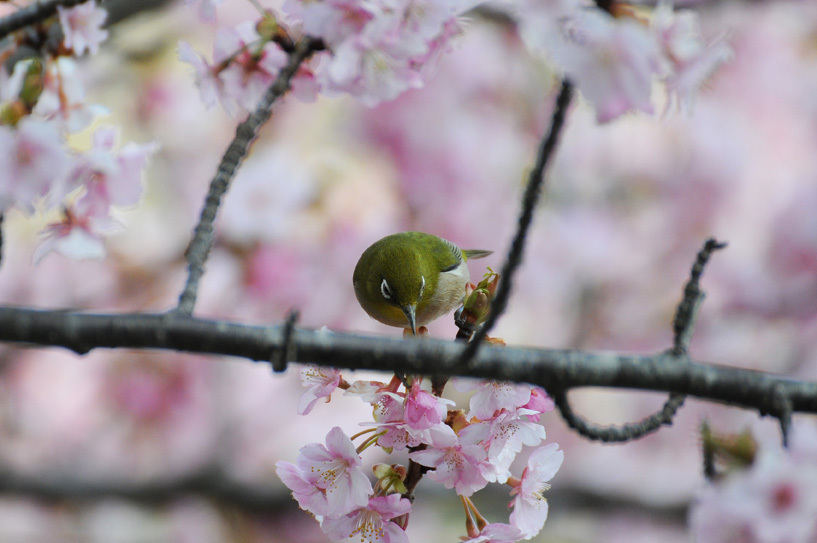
[385,290]
[422,286]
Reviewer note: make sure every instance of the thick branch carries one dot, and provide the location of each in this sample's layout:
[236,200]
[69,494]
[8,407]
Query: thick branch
[555,370]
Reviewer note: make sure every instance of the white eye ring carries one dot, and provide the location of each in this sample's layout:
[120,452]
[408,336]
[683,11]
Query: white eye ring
[385,290]
[422,286]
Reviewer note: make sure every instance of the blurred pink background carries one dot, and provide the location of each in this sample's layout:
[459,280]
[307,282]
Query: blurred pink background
[122,446]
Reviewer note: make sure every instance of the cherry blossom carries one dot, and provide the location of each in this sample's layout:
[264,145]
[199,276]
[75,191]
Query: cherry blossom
[423,410]
[321,382]
[458,464]
[248,70]
[691,59]
[207,9]
[35,164]
[496,533]
[63,97]
[327,480]
[771,502]
[503,437]
[204,75]
[243,67]
[539,403]
[493,396]
[530,508]
[612,61]
[368,391]
[334,21]
[82,27]
[79,235]
[371,523]
[109,177]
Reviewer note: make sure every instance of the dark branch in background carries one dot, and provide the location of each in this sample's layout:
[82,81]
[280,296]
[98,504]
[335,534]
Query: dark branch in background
[199,247]
[29,15]
[532,191]
[682,325]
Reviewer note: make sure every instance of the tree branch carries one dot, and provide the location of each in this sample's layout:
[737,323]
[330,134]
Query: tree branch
[199,247]
[29,15]
[555,370]
[682,326]
[532,191]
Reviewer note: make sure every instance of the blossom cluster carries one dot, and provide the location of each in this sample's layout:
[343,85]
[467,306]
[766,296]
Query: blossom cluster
[376,50]
[461,451]
[771,501]
[42,103]
[614,60]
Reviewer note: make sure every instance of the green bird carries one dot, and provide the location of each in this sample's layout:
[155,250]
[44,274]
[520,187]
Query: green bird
[412,278]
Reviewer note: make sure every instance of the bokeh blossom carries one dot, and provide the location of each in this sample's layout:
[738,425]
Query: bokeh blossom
[82,27]
[773,501]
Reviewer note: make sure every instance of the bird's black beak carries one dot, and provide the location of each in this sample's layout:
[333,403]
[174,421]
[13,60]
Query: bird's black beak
[409,310]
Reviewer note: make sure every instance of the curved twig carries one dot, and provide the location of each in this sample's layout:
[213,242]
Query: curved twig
[626,432]
[682,326]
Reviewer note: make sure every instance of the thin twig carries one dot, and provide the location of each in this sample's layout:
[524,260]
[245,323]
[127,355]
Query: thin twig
[626,432]
[684,320]
[202,240]
[531,197]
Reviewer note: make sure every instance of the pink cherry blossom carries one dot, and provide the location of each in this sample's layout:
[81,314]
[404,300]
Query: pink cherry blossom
[530,508]
[612,61]
[204,74]
[389,407]
[457,464]
[111,178]
[372,523]
[34,163]
[423,409]
[368,391]
[82,27]
[539,402]
[373,68]
[692,61]
[399,436]
[493,396]
[207,9]
[79,235]
[496,533]
[773,501]
[248,71]
[321,382]
[503,438]
[327,480]
[336,20]
[63,97]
